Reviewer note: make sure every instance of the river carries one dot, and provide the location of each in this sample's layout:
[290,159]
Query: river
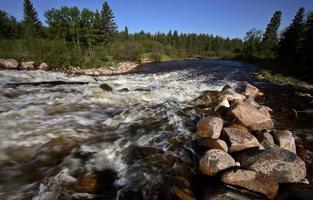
[132,138]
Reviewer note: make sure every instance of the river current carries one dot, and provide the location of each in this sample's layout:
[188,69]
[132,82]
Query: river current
[133,137]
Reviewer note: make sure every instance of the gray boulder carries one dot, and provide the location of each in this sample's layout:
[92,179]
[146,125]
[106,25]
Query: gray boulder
[253,181]
[210,126]
[9,63]
[239,140]
[285,140]
[214,161]
[285,166]
[251,117]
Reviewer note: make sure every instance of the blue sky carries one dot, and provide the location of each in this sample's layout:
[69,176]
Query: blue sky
[228,18]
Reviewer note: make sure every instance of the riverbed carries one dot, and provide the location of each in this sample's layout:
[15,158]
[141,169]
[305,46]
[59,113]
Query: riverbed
[131,138]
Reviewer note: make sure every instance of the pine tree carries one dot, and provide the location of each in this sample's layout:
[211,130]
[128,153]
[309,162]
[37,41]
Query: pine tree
[307,47]
[270,37]
[32,25]
[108,25]
[290,44]
[126,34]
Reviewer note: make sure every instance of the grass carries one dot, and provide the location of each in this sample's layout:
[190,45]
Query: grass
[288,72]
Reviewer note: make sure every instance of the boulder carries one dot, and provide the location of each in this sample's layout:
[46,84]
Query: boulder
[239,140]
[252,180]
[285,166]
[28,65]
[266,139]
[86,183]
[251,117]
[251,91]
[252,102]
[210,126]
[208,98]
[285,140]
[106,87]
[231,95]
[214,161]
[43,66]
[266,110]
[209,143]
[9,63]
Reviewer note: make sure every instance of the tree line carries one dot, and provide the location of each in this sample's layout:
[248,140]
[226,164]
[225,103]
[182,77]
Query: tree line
[294,43]
[71,36]
[93,35]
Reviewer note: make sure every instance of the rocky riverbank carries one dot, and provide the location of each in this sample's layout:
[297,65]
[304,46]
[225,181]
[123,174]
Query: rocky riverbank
[119,68]
[240,155]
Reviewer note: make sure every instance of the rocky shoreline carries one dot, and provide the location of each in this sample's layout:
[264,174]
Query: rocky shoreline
[239,150]
[120,68]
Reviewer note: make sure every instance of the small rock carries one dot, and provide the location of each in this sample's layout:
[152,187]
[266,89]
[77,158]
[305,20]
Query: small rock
[214,161]
[266,140]
[106,87]
[43,66]
[285,140]
[253,181]
[251,117]
[285,166]
[240,140]
[9,63]
[28,65]
[213,144]
[210,126]
[251,91]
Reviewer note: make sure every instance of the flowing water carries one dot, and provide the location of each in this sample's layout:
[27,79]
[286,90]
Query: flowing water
[130,139]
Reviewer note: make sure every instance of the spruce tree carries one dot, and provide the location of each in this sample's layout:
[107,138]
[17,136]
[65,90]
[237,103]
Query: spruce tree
[307,47]
[32,25]
[290,44]
[108,25]
[270,37]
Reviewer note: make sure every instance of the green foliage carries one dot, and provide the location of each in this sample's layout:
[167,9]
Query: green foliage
[307,46]
[290,44]
[252,44]
[8,26]
[270,37]
[108,26]
[32,25]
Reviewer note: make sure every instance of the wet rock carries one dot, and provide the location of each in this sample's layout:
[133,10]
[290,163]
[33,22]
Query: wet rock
[285,140]
[251,91]
[106,87]
[266,110]
[251,117]
[9,63]
[296,191]
[281,164]
[177,188]
[214,161]
[208,143]
[43,66]
[86,184]
[210,126]
[28,65]
[208,98]
[139,153]
[124,90]
[252,180]
[239,140]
